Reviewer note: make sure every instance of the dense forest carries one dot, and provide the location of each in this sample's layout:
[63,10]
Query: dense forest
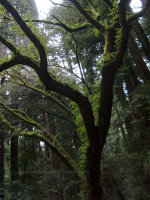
[75,101]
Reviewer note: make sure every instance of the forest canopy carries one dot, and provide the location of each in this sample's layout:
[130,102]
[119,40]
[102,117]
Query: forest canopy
[75,101]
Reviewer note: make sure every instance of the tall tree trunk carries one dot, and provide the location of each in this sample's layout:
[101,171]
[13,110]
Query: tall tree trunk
[131,81]
[53,159]
[1,166]
[14,164]
[99,133]
[144,2]
[14,158]
[25,162]
[51,156]
[94,151]
[139,113]
[123,103]
[92,171]
[143,39]
[144,71]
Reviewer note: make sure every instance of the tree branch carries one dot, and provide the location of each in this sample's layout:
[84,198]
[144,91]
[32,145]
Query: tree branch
[27,31]
[16,60]
[70,71]
[92,21]
[81,73]
[54,114]
[23,83]
[61,24]
[108,4]
[59,4]
[9,45]
[66,158]
[51,84]
[91,6]
[139,14]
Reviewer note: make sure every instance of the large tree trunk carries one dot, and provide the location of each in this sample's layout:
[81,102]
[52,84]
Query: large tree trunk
[97,142]
[123,102]
[92,171]
[94,152]
[52,158]
[1,166]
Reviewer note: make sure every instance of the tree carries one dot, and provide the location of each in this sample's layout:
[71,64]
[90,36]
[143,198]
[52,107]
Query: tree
[1,164]
[118,25]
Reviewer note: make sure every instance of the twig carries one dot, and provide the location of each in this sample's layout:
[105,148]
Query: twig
[68,71]
[58,23]
[81,73]
[60,4]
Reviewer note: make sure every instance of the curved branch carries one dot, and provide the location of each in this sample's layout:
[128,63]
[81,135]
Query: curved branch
[19,59]
[27,31]
[51,84]
[61,24]
[8,45]
[63,89]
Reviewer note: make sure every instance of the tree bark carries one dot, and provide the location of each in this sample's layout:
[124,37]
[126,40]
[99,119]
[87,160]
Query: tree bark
[92,171]
[139,113]
[14,158]
[1,166]
[14,164]
[144,71]
[144,2]
[143,39]
[94,152]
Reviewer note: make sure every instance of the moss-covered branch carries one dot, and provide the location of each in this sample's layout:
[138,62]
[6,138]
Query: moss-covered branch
[56,23]
[54,145]
[85,14]
[8,44]
[28,32]
[20,81]
[23,116]
[19,59]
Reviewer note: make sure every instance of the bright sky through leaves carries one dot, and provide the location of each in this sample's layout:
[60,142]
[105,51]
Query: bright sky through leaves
[45,5]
